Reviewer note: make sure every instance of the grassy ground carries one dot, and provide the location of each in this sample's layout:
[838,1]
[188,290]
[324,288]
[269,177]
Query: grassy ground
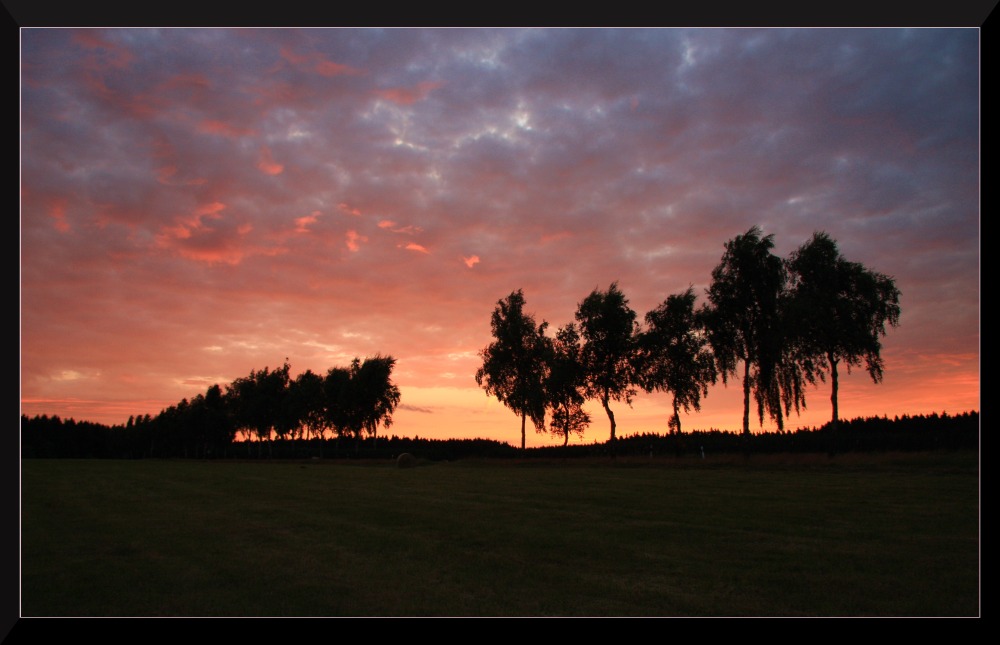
[885,535]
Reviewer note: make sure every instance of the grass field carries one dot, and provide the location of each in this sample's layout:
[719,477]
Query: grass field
[866,535]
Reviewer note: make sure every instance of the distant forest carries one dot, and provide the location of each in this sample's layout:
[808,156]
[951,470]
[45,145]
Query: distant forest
[52,437]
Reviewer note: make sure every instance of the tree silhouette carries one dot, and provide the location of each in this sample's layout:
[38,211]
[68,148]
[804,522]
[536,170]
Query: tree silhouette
[565,383]
[608,329]
[375,395]
[841,310]
[307,404]
[361,397]
[513,367]
[675,356]
[744,324]
[259,402]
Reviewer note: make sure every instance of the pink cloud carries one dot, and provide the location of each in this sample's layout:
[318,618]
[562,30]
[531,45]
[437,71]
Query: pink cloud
[212,126]
[413,246]
[58,213]
[471,261]
[116,55]
[267,164]
[319,64]
[409,95]
[344,208]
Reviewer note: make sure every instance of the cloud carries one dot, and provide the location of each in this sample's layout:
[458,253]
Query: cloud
[354,240]
[409,95]
[302,223]
[471,261]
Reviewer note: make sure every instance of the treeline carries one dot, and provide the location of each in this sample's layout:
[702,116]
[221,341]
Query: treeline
[267,406]
[776,324]
[52,437]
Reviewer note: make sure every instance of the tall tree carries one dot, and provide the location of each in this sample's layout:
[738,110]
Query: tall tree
[565,383]
[841,310]
[675,356]
[513,367]
[744,323]
[608,329]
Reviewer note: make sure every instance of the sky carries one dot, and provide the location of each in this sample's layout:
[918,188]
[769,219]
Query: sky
[200,203]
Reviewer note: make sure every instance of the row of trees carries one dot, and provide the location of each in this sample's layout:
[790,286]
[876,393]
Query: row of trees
[786,322]
[350,401]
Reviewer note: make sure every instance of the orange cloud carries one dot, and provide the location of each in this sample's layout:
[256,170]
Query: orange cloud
[353,239]
[267,164]
[409,95]
[390,225]
[301,223]
[471,261]
[413,246]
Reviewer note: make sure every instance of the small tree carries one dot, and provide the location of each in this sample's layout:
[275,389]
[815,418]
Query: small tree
[608,329]
[565,384]
[841,310]
[674,354]
[513,367]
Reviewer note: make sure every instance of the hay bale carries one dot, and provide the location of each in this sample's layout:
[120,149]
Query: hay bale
[406,460]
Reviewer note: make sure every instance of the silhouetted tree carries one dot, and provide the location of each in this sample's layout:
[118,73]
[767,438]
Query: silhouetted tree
[608,329]
[675,356]
[744,324]
[565,384]
[513,367]
[375,394]
[840,311]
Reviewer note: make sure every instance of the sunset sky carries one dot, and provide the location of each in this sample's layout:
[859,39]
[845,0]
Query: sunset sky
[198,203]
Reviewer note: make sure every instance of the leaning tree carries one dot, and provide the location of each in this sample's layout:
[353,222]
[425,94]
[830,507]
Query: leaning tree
[608,329]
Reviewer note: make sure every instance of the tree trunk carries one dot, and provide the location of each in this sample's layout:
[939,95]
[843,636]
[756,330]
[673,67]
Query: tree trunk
[832,440]
[677,418]
[523,418]
[611,417]
[746,409]
[746,398]
[836,386]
